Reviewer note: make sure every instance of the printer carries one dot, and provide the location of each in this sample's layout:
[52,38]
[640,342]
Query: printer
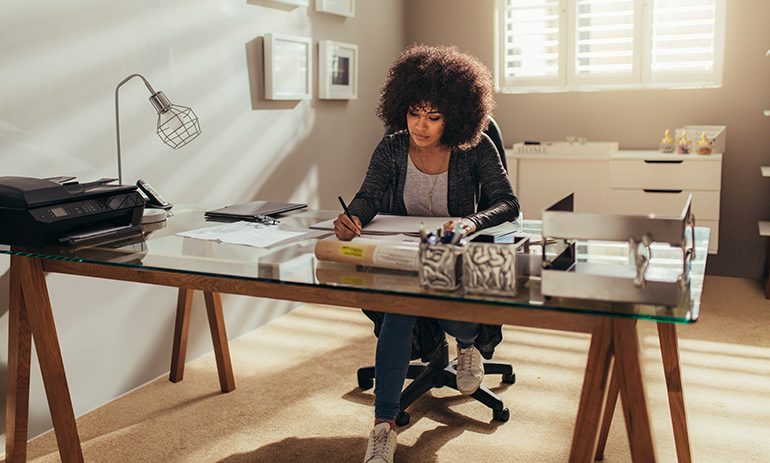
[40,212]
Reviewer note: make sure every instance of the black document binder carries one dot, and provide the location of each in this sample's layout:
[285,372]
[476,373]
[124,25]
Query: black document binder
[253,210]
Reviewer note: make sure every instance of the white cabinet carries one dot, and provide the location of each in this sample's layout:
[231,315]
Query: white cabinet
[648,182]
[543,180]
[626,183]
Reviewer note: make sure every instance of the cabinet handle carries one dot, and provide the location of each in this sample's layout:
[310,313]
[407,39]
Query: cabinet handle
[659,161]
[646,190]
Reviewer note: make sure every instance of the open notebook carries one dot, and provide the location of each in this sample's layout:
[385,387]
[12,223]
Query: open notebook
[393,224]
[383,224]
[252,210]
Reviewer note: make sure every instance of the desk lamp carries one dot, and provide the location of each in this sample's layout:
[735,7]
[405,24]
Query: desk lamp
[177,125]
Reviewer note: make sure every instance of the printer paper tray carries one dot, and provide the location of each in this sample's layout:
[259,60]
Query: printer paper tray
[88,236]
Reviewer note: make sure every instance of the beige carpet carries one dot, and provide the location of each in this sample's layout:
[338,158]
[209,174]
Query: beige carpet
[297,400]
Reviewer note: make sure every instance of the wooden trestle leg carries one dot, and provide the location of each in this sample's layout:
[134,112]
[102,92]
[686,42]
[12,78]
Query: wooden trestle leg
[218,336]
[31,316]
[614,344]
[669,349]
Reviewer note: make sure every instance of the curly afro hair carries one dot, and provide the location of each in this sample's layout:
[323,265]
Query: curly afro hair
[456,84]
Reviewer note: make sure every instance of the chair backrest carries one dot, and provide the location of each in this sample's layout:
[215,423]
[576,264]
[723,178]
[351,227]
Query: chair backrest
[497,138]
[493,131]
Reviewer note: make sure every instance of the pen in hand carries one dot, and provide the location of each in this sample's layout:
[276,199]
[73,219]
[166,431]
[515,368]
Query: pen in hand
[347,213]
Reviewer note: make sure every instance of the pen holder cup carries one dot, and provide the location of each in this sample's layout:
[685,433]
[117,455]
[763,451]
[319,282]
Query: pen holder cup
[440,266]
[493,268]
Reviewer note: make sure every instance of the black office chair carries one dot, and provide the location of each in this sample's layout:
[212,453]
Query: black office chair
[441,372]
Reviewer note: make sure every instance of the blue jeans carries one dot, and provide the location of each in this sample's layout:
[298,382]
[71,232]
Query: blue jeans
[394,351]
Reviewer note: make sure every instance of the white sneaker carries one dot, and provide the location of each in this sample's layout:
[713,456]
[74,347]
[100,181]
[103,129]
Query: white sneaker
[470,370]
[382,444]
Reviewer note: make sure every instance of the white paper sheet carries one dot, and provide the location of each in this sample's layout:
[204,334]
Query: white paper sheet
[252,234]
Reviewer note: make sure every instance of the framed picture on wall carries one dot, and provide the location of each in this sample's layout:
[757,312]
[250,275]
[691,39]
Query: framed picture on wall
[337,70]
[288,65]
[340,7]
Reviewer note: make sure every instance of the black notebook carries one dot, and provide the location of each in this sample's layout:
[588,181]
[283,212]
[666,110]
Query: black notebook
[252,210]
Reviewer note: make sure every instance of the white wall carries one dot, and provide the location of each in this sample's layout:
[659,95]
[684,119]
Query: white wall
[637,118]
[59,65]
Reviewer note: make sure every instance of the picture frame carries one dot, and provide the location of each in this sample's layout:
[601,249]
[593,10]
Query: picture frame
[288,67]
[337,70]
[339,7]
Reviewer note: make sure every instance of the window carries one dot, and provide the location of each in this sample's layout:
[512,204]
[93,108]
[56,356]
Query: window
[563,45]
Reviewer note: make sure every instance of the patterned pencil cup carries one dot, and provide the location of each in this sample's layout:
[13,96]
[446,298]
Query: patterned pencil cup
[440,266]
[493,268]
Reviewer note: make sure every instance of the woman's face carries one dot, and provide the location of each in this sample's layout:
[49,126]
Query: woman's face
[425,124]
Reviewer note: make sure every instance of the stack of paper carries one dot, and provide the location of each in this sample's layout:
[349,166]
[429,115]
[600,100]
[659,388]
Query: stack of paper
[252,234]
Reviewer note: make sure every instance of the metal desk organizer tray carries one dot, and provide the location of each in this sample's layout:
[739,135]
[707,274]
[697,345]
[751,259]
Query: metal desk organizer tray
[636,279]
[493,268]
[440,266]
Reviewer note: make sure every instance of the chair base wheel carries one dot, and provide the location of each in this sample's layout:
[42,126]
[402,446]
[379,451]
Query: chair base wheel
[365,383]
[509,379]
[501,415]
[402,419]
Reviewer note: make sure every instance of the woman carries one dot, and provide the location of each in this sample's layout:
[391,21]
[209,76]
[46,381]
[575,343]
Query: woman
[437,163]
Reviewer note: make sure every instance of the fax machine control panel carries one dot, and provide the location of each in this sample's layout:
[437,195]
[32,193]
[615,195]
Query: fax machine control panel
[85,208]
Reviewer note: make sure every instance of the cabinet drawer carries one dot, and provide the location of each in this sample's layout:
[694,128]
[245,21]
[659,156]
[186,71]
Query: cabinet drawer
[684,174]
[705,204]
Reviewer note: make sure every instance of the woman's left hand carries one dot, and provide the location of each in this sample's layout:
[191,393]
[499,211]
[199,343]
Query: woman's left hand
[466,225]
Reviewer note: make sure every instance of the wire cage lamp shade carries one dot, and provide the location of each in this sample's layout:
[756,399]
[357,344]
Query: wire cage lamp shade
[177,125]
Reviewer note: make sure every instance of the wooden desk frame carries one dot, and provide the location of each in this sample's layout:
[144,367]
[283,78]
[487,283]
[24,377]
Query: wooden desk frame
[613,367]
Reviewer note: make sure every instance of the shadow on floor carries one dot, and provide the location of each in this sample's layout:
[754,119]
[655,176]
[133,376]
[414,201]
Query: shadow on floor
[344,449]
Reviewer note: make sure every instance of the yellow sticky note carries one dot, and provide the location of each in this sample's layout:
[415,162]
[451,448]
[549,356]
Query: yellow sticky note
[350,251]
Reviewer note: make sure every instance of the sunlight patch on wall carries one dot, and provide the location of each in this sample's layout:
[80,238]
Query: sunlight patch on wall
[307,188]
[237,159]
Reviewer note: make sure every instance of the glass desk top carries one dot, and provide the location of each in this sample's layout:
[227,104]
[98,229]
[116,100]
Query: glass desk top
[163,250]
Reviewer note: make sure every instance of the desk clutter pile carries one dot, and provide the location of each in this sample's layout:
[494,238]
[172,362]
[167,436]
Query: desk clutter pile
[481,265]
[560,257]
[484,263]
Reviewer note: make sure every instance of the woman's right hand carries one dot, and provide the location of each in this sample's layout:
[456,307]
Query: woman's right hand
[345,229]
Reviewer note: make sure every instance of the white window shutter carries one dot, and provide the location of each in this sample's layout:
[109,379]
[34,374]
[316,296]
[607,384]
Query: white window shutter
[534,35]
[687,38]
[555,45]
[605,42]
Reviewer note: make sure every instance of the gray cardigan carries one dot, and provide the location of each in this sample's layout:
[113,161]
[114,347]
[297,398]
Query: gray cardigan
[476,177]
